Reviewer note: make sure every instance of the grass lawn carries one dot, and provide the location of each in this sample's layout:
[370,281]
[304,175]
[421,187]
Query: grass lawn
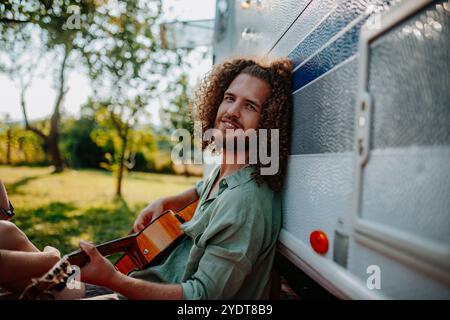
[61,209]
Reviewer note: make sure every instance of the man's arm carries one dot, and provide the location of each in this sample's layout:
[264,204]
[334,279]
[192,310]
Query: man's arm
[100,271]
[137,289]
[156,208]
[180,200]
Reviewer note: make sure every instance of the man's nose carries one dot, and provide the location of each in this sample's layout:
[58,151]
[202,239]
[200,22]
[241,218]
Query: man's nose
[235,109]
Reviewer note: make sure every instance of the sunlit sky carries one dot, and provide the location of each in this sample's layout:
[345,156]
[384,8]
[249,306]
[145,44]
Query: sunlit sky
[40,96]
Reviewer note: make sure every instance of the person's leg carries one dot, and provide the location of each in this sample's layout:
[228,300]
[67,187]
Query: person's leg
[12,238]
[17,268]
[36,263]
[21,260]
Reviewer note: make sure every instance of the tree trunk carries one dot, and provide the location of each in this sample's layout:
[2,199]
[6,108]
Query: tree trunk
[51,140]
[8,145]
[55,153]
[23,150]
[121,166]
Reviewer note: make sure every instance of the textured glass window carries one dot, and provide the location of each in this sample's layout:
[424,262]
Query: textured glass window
[406,182]
[409,81]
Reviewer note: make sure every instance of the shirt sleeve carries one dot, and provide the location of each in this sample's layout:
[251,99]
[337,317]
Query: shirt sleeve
[229,247]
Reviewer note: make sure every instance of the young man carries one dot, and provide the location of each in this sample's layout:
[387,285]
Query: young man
[230,244]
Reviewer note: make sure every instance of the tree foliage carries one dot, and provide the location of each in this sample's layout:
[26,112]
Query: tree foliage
[115,43]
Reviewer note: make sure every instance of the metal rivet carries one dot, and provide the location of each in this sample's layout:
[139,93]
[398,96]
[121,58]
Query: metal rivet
[360,146]
[146,251]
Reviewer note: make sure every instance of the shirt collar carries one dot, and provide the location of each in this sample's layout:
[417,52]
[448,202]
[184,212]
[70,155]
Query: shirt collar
[239,177]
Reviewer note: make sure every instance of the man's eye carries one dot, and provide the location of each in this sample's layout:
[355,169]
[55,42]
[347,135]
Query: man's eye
[228,98]
[251,107]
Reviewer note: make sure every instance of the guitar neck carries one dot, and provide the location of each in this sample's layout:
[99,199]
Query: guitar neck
[122,245]
[128,244]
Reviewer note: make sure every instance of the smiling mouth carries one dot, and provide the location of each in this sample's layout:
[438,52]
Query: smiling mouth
[228,124]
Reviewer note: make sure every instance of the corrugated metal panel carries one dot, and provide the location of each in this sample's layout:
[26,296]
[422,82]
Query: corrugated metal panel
[324,112]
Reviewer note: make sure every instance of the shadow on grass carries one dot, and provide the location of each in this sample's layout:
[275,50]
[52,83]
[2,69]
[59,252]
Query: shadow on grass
[62,225]
[162,178]
[13,188]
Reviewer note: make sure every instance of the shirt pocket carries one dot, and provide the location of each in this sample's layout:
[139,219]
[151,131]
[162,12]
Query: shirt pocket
[195,255]
[196,226]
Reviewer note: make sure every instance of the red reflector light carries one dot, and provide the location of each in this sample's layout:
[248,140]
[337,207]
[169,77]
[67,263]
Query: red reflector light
[319,241]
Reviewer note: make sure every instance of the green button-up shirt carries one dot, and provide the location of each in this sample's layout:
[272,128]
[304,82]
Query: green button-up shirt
[230,245]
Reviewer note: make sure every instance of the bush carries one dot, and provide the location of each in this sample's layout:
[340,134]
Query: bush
[79,150]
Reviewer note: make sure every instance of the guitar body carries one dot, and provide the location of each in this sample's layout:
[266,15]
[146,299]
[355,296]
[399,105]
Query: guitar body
[147,247]
[151,243]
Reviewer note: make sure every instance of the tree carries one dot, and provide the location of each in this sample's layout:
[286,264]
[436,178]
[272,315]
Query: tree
[20,22]
[23,74]
[117,121]
[116,41]
[9,138]
[125,72]
[79,148]
[113,39]
[18,145]
[178,114]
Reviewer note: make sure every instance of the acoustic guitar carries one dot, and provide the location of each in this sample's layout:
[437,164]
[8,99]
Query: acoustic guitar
[140,250]
[145,248]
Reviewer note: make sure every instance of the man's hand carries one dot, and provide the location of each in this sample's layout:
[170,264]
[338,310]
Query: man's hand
[99,270]
[150,213]
[158,207]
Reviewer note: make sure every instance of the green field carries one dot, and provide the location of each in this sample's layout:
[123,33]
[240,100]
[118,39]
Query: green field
[61,209]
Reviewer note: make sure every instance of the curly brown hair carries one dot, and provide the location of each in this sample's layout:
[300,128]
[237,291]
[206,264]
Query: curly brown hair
[275,112]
